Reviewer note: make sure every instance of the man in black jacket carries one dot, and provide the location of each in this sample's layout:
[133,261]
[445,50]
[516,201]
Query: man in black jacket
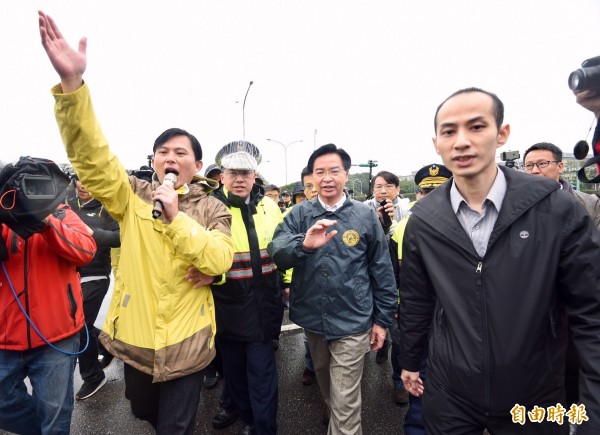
[493,264]
[95,280]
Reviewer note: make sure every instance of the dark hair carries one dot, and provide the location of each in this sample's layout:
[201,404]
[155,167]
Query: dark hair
[271,187]
[329,149]
[497,107]
[388,177]
[305,173]
[546,146]
[167,135]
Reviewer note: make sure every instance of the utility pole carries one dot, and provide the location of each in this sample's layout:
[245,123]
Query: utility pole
[370,164]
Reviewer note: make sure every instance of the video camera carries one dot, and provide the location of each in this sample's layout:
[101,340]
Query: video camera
[37,187]
[509,158]
[30,190]
[587,77]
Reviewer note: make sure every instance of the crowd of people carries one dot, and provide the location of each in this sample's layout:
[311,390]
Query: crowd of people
[485,289]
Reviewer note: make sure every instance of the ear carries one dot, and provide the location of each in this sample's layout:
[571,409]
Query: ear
[434,140]
[561,167]
[503,134]
[199,165]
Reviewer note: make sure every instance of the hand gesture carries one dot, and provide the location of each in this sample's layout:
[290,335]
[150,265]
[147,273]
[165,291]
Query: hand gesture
[317,235]
[68,63]
[388,209]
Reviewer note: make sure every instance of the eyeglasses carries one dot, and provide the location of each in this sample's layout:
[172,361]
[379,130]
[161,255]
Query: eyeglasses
[388,186]
[234,174]
[541,165]
[333,172]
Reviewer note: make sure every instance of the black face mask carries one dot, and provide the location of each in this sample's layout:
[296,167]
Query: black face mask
[29,191]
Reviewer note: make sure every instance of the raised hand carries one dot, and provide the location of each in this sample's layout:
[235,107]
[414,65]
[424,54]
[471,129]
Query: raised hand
[68,63]
[317,235]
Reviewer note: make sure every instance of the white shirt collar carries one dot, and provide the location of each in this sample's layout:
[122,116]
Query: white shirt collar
[335,206]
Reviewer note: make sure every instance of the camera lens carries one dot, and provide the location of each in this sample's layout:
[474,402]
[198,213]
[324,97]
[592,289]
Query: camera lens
[575,80]
[585,78]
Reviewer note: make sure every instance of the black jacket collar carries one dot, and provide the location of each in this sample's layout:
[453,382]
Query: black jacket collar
[523,191]
[231,200]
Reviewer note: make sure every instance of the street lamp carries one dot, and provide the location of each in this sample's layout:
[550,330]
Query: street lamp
[285,147]
[244,110]
[354,188]
[370,164]
[361,191]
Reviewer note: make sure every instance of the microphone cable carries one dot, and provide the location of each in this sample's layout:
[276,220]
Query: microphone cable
[87,332]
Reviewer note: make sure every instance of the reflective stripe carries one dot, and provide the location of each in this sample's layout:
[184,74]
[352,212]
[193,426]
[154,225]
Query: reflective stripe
[245,256]
[246,272]
[241,256]
[239,273]
[268,268]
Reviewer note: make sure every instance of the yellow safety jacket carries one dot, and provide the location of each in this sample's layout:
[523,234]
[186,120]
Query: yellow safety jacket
[249,305]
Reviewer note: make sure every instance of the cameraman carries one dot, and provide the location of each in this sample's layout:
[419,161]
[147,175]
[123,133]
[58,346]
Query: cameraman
[42,271]
[386,186]
[590,99]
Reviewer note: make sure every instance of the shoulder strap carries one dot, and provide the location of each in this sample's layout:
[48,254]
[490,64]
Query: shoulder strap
[3,251]
[583,176]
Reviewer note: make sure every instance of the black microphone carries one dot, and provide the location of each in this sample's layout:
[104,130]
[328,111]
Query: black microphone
[170,178]
[581,150]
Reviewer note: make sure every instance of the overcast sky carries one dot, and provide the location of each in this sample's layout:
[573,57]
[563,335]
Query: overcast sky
[366,75]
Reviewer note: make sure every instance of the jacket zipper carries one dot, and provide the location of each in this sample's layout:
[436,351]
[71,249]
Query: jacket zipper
[72,303]
[486,350]
[552,324]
